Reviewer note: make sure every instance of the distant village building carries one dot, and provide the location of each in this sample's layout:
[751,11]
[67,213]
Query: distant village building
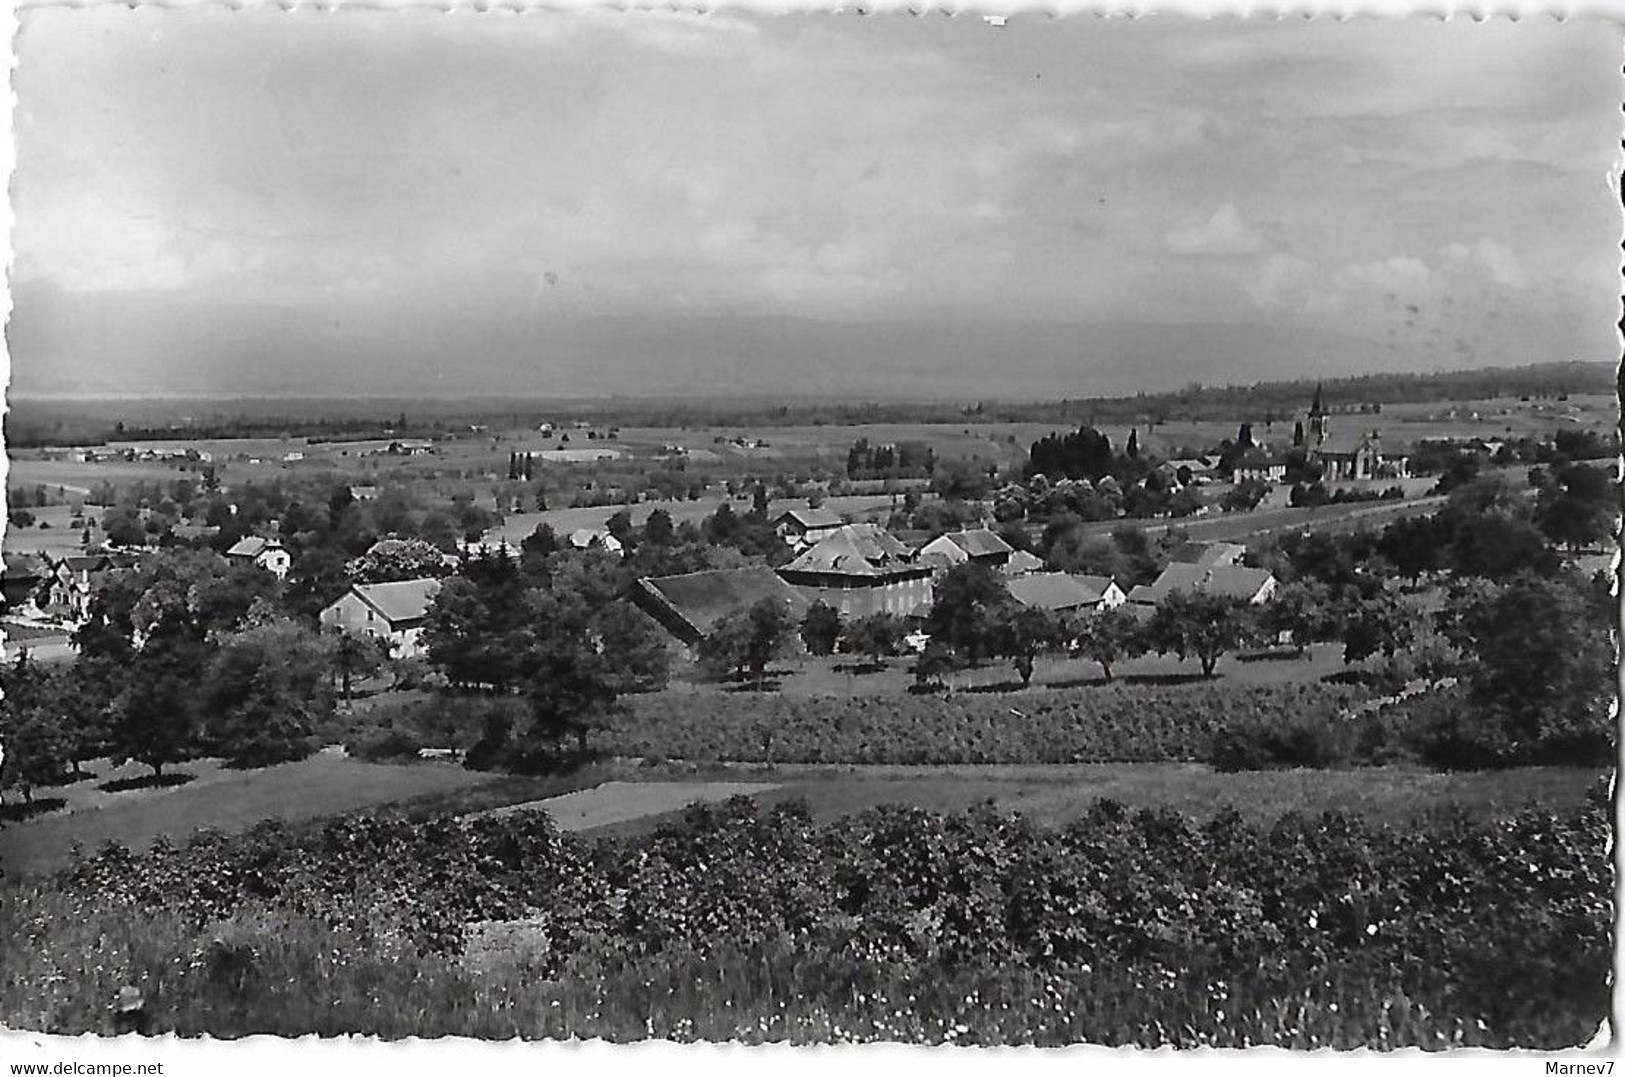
[394,612]
[265,553]
[1061,592]
[804,527]
[860,569]
[595,538]
[364,492]
[1258,465]
[690,605]
[975,546]
[1350,455]
[73,579]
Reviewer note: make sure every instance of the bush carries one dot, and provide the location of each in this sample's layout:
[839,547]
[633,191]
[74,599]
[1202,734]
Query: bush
[1317,740]
[1143,928]
[384,745]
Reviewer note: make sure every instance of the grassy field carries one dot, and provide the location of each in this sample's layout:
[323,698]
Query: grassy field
[324,784]
[1056,794]
[841,675]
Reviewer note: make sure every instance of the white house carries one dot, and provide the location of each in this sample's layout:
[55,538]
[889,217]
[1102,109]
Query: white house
[595,538]
[1063,592]
[265,553]
[1254,586]
[389,611]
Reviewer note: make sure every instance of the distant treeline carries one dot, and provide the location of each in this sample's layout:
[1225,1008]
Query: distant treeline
[38,423]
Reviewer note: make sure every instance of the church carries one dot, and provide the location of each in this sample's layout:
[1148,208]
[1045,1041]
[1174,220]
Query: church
[1350,455]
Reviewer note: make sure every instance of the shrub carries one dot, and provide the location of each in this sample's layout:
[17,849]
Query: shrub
[1317,740]
[384,745]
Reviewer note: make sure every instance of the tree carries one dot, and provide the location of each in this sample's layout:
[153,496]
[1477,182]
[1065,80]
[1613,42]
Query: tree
[963,611]
[657,529]
[1196,623]
[1540,676]
[1109,637]
[820,628]
[1576,506]
[1299,611]
[935,662]
[355,656]
[37,745]
[266,690]
[398,559]
[155,716]
[878,636]
[633,648]
[1380,624]
[1244,496]
[1021,634]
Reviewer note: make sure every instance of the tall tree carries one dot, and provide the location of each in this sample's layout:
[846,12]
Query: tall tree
[1196,623]
[1109,637]
[968,598]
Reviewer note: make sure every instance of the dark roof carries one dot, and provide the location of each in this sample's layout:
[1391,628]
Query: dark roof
[855,550]
[1022,561]
[979,542]
[1347,443]
[399,601]
[1256,458]
[1228,581]
[691,604]
[252,546]
[25,567]
[811,518]
[1057,590]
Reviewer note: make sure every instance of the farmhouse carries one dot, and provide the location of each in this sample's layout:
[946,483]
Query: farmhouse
[1061,592]
[1252,585]
[265,553]
[978,546]
[802,528]
[690,605]
[861,569]
[393,612]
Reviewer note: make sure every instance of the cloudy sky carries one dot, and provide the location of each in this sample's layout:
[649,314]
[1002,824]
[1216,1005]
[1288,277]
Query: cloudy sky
[402,202]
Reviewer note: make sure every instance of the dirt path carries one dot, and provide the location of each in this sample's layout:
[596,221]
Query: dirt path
[621,802]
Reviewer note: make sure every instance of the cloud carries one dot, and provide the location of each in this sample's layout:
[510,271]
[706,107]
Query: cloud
[1282,280]
[1226,232]
[1403,276]
[1489,259]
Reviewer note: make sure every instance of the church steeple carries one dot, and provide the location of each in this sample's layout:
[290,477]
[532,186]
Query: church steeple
[1317,420]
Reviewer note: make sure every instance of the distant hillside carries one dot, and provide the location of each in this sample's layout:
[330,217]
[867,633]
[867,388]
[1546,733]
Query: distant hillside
[56,421]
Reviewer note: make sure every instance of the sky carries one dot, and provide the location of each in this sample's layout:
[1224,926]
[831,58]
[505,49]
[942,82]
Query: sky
[411,202]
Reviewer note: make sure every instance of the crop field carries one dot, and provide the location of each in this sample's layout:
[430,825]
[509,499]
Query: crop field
[1144,928]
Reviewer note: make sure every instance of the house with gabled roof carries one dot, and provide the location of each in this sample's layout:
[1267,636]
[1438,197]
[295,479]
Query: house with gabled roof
[1021,563]
[804,527]
[975,546]
[1258,465]
[1254,586]
[690,605]
[266,553]
[596,538]
[861,569]
[1062,592]
[394,612]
